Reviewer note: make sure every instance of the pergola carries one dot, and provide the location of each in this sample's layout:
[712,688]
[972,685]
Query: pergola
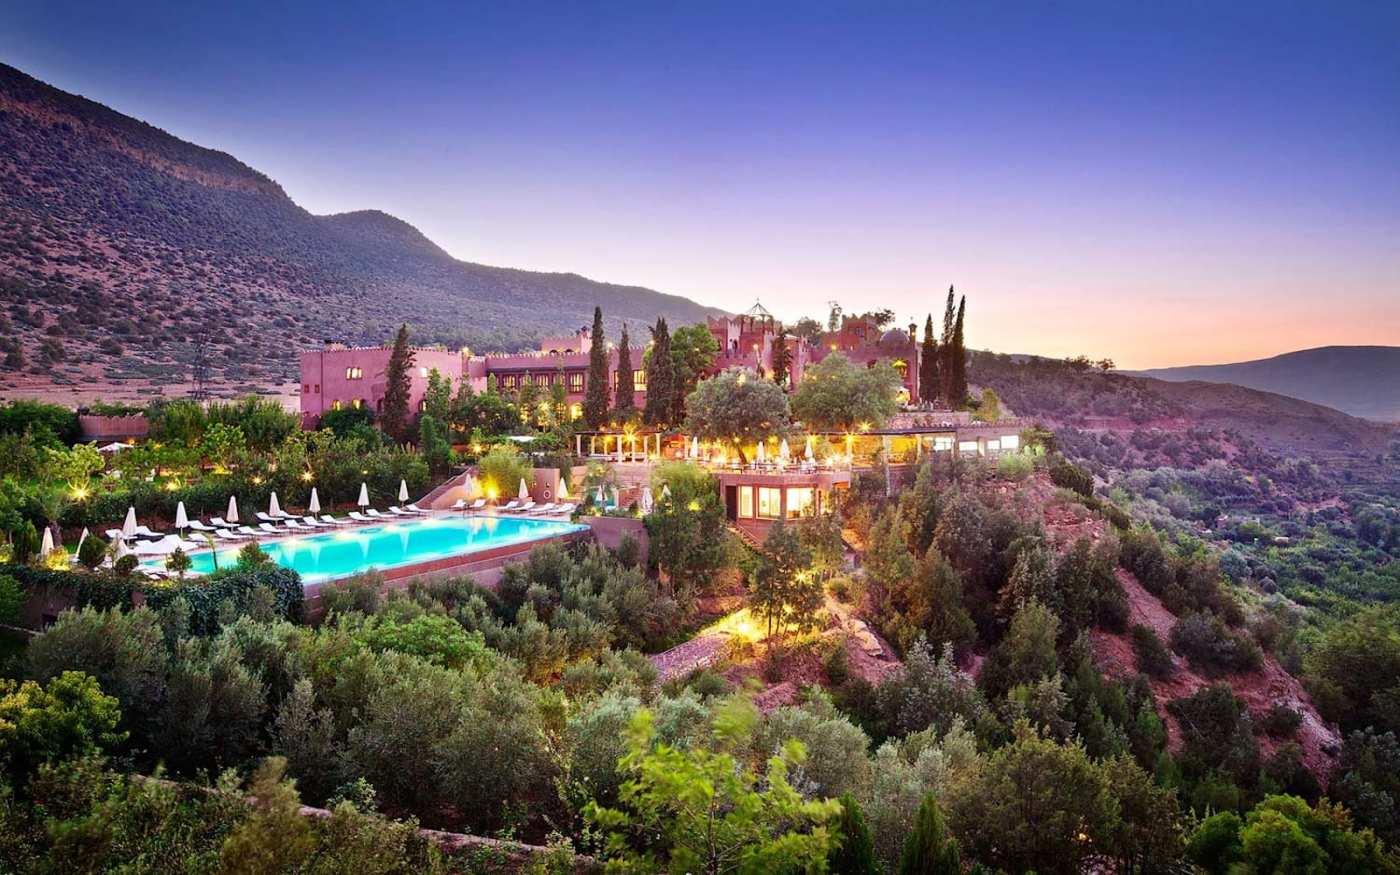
[621,446]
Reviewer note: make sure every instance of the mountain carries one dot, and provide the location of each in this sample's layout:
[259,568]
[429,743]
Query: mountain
[1360,380]
[125,252]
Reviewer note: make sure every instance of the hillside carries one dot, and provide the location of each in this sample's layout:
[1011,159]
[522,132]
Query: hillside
[1359,380]
[120,245]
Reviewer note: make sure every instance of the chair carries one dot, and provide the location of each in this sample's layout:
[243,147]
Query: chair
[373,514]
[521,508]
[398,511]
[312,522]
[147,533]
[566,509]
[477,505]
[329,520]
[219,521]
[265,518]
[228,535]
[197,526]
[541,509]
[245,530]
[293,524]
[269,528]
[359,517]
[510,506]
[414,508]
[459,504]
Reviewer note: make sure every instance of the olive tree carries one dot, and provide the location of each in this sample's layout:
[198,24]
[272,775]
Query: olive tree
[737,406]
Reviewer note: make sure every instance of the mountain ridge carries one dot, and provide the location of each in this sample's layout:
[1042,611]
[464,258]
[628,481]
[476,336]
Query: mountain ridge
[127,252]
[1361,380]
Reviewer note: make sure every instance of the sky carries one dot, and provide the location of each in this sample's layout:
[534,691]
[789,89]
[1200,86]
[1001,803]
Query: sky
[1158,183]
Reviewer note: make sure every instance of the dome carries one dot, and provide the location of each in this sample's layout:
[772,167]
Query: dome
[894,336]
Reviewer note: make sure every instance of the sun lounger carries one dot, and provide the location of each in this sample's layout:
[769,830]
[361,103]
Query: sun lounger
[114,534]
[265,517]
[373,514]
[523,508]
[245,530]
[219,522]
[359,517]
[398,511]
[414,508]
[477,505]
[566,509]
[542,509]
[314,523]
[329,520]
[197,526]
[459,504]
[509,507]
[228,535]
[147,533]
[269,528]
[293,524]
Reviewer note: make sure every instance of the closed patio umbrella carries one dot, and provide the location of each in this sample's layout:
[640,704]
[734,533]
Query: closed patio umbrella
[129,526]
[470,488]
[784,452]
[364,495]
[315,505]
[761,455]
[403,491]
[563,490]
[273,509]
[182,519]
[614,497]
[46,547]
[232,515]
[598,498]
[811,456]
[81,539]
[666,490]
[647,501]
[524,490]
[695,448]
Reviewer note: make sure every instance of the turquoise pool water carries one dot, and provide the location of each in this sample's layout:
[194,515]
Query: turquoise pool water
[342,552]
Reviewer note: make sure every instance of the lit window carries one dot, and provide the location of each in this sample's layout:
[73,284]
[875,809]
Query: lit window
[746,502]
[305,388]
[770,503]
[318,388]
[1010,442]
[576,381]
[354,373]
[800,502]
[639,380]
[423,405]
[993,446]
[335,405]
[423,372]
[575,410]
[967,447]
[358,403]
[942,444]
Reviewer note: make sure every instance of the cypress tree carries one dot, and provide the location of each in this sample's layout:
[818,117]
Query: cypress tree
[856,853]
[929,850]
[782,359]
[945,351]
[623,405]
[928,364]
[661,377]
[595,398]
[959,361]
[394,412]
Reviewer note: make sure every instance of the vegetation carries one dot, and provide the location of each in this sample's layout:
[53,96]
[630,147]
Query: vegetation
[737,406]
[836,395]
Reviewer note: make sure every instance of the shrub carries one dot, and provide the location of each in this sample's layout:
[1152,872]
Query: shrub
[126,565]
[1070,476]
[1281,721]
[502,469]
[207,596]
[92,552]
[1212,647]
[1015,467]
[1153,658]
[11,598]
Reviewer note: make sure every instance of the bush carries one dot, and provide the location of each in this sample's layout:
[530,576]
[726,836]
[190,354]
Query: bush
[11,598]
[92,552]
[1015,467]
[1213,648]
[1281,721]
[1072,477]
[502,469]
[207,596]
[1153,658]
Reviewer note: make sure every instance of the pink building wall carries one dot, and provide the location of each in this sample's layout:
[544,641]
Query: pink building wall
[327,378]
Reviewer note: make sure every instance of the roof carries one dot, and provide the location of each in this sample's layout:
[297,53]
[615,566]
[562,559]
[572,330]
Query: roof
[758,311]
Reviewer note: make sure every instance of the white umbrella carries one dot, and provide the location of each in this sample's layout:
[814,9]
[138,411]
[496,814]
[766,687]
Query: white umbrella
[163,547]
[232,515]
[761,455]
[121,548]
[784,452]
[811,456]
[182,519]
[273,509]
[364,495]
[599,499]
[563,490]
[81,539]
[524,490]
[129,527]
[46,547]
[614,497]
[695,447]
[403,490]
[666,490]
[647,502]
[315,505]
[470,487]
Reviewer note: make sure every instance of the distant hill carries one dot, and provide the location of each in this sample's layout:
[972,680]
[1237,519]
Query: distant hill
[121,244]
[1360,380]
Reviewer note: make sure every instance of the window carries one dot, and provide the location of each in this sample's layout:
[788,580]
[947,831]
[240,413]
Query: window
[335,405]
[746,502]
[318,388]
[306,388]
[576,410]
[576,381]
[942,444]
[423,372]
[510,381]
[354,373]
[423,405]
[639,380]
[800,502]
[358,403]
[1011,442]
[967,447]
[770,503]
[993,446]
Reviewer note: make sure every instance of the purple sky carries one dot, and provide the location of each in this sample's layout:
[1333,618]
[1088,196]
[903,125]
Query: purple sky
[1159,183]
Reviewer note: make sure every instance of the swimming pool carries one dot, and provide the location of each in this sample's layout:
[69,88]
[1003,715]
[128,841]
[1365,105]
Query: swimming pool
[341,553]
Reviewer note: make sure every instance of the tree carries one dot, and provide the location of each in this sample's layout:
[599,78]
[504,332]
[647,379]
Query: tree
[785,591]
[1352,672]
[501,470]
[958,360]
[689,543]
[397,381]
[989,408]
[179,562]
[595,397]
[1026,654]
[624,401]
[945,349]
[856,853]
[738,407]
[74,466]
[69,716]
[836,395]
[782,359]
[434,444]
[12,598]
[698,810]
[437,398]
[808,329]
[92,551]
[929,850]
[693,351]
[928,365]
[661,377]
